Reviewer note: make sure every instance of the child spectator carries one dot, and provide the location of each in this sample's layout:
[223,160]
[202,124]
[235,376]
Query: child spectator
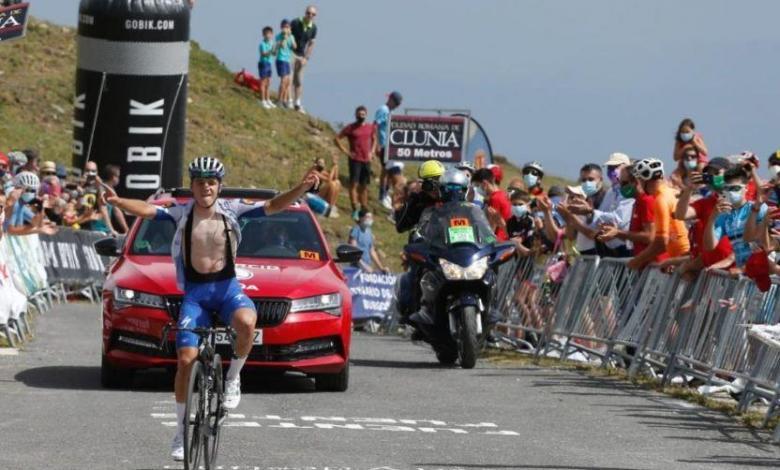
[285,43]
[685,136]
[362,237]
[735,217]
[264,66]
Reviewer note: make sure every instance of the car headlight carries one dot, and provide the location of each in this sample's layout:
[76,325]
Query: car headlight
[124,298]
[328,303]
[456,272]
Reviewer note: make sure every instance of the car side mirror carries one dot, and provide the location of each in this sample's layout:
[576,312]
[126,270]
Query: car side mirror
[348,254]
[110,247]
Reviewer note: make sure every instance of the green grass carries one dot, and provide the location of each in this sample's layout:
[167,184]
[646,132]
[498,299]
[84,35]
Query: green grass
[262,148]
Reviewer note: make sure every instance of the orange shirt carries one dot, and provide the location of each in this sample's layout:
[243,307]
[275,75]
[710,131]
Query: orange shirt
[666,225]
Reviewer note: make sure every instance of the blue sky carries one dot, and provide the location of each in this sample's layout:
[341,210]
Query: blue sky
[561,82]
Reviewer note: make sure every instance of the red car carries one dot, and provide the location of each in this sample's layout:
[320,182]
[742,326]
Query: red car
[304,307]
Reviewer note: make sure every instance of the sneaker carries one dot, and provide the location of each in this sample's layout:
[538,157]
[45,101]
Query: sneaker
[232,394]
[271,104]
[387,202]
[290,105]
[300,109]
[334,212]
[356,215]
[266,105]
[177,448]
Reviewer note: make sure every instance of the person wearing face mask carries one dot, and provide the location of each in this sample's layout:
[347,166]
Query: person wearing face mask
[671,236]
[687,135]
[362,145]
[20,218]
[532,178]
[520,226]
[362,237]
[641,230]
[772,188]
[735,217]
[497,206]
[698,212]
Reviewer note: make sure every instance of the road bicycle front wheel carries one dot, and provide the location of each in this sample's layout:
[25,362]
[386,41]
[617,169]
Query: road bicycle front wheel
[194,416]
[215,414]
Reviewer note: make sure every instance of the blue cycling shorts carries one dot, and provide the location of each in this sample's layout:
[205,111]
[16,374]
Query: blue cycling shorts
[202,298]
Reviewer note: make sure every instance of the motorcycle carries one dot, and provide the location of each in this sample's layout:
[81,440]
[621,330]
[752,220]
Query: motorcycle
[457,254]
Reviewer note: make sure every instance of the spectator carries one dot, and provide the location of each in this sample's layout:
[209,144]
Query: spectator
[90,173]
[111,178]
[381,122]
[641,230]
[772,188]
[532,178]
[698,213]
[735,217]
[397,182]
[362,144]
[362,237]
[498,172]
[5,168]
[578,212]
[33,158]
[330,186]
[50,183]
[265,66]
[23,211]
[18,160]
[497,206]
[671,236]
[285,43]
[687,135]
[305,32]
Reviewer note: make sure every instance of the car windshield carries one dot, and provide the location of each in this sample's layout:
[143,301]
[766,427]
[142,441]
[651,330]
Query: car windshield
[456,222]
[286,235]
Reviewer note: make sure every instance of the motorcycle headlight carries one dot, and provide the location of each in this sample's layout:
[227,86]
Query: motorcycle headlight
[328,303]
[456,272]
[124,298]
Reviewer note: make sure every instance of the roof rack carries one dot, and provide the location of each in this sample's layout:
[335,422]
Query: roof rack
[248,193]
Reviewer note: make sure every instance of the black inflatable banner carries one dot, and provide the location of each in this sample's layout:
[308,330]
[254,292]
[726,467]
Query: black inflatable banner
[131,90]
[70,256]
[13,21]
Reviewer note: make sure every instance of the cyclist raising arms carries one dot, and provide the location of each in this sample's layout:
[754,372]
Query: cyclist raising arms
[204,251]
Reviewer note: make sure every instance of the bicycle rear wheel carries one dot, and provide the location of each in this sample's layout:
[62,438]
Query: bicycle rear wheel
[194,416]
[215,414]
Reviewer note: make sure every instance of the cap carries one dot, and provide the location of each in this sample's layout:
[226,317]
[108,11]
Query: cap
[618,158]
[4,159]
[719,163]
[285,22]
[576,190]
[396,96]
[555,191]
[757,269]
[17,157]
[48,166]
[498,173]
[774,159]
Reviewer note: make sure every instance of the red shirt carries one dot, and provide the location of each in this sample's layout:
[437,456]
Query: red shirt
[500,202]
[751,191]
[643,213]
[704,208]
[361,140]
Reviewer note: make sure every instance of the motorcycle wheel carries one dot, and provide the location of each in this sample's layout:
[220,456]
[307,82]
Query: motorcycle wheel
[468,344]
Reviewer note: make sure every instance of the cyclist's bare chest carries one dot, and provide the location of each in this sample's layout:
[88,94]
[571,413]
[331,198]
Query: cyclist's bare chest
[208,238]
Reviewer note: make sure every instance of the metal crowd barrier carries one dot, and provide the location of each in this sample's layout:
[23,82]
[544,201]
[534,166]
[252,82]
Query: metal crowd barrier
[648,322]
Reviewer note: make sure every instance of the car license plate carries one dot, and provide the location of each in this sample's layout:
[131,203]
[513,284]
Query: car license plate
[222,337]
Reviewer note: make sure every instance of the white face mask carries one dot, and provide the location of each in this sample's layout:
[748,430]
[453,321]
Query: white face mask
[774,170]
[686,136]
[691,164]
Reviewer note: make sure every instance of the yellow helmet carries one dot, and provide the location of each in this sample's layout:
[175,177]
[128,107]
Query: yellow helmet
[431,169]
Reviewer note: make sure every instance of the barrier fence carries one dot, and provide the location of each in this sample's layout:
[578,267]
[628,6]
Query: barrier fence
[37,270]
[649,322]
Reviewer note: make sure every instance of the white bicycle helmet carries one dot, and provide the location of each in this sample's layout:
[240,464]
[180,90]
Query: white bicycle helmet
[648,169]
[27,180]
[207,167]
[535,166]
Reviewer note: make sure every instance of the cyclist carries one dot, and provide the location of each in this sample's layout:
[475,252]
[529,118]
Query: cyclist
[204,251]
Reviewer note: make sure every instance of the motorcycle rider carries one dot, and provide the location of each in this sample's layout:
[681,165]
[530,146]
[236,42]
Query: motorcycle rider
[426,194]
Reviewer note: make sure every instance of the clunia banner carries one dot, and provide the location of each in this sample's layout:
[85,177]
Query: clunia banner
[420,138]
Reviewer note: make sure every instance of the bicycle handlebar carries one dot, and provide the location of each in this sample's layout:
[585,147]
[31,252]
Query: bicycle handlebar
[200,331]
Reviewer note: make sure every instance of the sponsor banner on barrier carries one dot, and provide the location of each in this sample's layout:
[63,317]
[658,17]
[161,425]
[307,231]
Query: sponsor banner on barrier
[420,138]
[372,293]
[13,21]
[70,255]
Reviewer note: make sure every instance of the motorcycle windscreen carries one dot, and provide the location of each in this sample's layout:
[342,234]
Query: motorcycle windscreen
[456,223]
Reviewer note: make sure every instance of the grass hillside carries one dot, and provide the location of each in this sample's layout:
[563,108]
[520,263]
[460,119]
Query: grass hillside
[262,148]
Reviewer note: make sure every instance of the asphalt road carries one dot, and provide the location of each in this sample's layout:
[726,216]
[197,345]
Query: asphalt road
[402,412]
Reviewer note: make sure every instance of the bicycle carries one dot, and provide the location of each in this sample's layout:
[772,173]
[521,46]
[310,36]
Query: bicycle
[204,410]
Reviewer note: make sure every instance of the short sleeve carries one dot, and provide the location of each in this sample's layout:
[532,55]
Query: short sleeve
[718,226]
[353,233]
[244,208]
[346,131]
[172,213]
[762,213]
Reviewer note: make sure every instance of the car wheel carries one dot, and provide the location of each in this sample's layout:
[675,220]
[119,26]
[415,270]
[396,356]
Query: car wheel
[114,377]
[333,382]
